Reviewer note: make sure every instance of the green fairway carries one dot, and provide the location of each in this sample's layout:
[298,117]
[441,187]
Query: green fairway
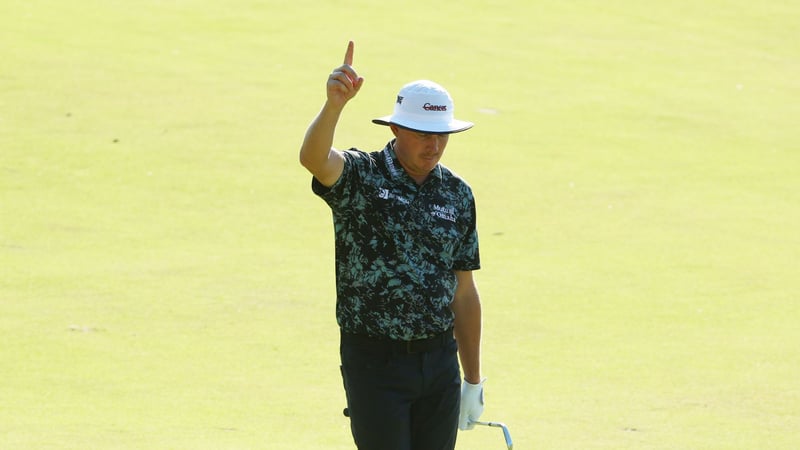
[167,277]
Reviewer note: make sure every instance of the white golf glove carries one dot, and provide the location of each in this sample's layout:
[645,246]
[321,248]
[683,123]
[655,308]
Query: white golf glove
[471,404]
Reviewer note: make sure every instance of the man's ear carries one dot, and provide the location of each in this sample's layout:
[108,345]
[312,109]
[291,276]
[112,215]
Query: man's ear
[394,129]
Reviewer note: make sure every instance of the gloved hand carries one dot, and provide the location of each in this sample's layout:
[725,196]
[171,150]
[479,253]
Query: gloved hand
[471,404]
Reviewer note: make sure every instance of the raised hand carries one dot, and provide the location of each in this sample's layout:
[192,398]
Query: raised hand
[344,83]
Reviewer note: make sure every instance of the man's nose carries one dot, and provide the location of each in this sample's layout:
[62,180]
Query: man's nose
[438,142]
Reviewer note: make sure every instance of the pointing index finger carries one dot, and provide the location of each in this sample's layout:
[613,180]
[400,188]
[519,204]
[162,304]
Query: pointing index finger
[348,56]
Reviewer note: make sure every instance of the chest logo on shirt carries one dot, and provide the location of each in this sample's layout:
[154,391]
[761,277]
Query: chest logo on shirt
[386,195]
[444,212]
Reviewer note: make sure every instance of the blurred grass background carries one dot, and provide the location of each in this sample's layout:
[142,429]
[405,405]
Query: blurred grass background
[167,275]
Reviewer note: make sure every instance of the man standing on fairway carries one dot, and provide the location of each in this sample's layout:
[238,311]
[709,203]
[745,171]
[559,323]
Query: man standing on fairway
[406,246]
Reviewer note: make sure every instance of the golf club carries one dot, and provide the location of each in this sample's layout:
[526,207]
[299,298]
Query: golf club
[503,426]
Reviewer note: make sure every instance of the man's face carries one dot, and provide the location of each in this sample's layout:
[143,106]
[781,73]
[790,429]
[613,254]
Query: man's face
[418,152]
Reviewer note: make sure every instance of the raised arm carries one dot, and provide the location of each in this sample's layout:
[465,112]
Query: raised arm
[317,153]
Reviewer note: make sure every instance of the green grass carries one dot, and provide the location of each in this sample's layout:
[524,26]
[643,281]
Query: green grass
[166,275]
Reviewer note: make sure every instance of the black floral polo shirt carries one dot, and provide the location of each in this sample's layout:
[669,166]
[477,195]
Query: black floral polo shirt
[397,245]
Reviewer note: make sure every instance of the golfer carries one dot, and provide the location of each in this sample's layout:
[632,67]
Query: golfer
[406,245]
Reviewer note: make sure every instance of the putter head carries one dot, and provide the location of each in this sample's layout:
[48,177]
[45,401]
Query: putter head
[506,433]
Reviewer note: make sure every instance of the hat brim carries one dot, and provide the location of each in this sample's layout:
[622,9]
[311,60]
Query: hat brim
[454,126]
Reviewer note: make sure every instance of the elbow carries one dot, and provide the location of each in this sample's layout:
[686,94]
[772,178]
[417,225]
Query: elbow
[306,161]
[303,159]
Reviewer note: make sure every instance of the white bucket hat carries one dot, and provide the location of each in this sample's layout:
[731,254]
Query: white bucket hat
[424,106]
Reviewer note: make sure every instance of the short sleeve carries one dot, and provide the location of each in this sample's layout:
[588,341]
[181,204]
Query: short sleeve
[467,254]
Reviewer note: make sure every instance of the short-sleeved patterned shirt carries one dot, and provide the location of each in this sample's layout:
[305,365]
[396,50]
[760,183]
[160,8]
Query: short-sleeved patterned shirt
[397,245]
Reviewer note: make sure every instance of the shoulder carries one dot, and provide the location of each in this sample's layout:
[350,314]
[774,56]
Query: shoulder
[361,170]
[455,182]
[369,160]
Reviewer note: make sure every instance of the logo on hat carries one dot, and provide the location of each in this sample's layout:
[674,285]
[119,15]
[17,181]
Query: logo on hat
[399,99]
[429,107]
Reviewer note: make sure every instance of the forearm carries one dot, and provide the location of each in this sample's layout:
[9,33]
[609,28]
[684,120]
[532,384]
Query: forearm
[319,138]
[468,327]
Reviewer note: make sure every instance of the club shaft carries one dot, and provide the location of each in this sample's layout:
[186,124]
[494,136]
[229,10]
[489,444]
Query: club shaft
[506,433]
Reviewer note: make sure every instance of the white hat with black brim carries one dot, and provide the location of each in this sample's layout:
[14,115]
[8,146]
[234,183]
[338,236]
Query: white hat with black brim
[424,106]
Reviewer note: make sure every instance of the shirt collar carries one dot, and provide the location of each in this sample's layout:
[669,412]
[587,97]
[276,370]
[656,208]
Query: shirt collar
[396,169]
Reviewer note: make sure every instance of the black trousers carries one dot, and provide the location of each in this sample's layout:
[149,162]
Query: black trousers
[399,400]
